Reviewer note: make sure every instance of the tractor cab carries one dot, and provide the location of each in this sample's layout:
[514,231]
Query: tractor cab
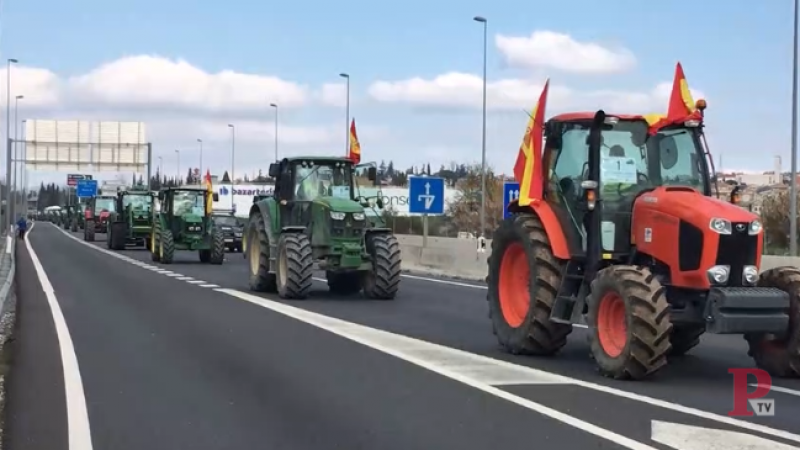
[185,210]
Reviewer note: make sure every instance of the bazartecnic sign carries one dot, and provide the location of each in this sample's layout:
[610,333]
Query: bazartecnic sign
[241,196]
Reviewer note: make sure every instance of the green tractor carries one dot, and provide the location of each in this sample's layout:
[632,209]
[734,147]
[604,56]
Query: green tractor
[70,217]
[131,220]
[315,217]
[182,221]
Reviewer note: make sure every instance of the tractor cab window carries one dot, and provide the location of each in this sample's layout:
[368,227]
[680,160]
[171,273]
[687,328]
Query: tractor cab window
[137,202]
[322,180]
[188,202]
[228,221]
[104,204]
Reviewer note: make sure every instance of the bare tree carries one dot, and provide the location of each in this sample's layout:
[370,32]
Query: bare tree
[465,209]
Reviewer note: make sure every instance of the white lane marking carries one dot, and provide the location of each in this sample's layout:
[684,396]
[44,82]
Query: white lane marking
[78,429]
[689,437]
[197,282]
[365,338]
[173,274]
[429,356]
[450,282]
[778,389]
[209,285]
[185,278]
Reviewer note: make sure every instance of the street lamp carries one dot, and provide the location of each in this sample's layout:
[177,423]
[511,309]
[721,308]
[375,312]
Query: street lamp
[233,150]
[10,217]
[24,169]
[483,133]
[793,190]
[16,182]
[178,178]
[347,115]
[200,141]
[276,129]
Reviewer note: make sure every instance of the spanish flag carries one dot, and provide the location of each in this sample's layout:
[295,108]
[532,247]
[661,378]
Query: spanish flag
[681,105]
[210,189]
[355,147]
[528,170]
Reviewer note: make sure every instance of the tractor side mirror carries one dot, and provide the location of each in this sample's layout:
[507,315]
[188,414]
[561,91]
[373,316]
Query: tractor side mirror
[274,170]
[372,174]
[215,196]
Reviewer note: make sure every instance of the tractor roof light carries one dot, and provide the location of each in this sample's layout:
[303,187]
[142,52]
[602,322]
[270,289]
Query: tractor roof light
[701,104]
[611,120]
[692,123]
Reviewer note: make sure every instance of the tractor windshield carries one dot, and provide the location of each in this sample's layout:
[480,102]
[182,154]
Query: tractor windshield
[137,202]
[189,202]
[323,180]
[104,204]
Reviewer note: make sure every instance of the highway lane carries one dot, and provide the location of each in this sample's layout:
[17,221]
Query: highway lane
[453,313]
[169,365]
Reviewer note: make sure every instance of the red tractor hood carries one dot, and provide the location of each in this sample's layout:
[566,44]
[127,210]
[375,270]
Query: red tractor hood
[692,206]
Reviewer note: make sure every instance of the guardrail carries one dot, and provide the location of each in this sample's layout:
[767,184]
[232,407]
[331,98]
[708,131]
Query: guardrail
[8,307]
[459,258]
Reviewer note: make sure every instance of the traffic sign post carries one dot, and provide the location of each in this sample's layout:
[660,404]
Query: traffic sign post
[86,188]
[510,193]
[425,196]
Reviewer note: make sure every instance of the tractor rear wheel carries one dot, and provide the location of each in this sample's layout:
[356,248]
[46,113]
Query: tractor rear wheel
[154,244]
[383,281]
[217,248]
[684,338]
[166,247]
[523,279]
[205,255]
[88,231]
[295,265]
[74,226]
[780,356]
[343,283]
[257,254]
[629,322]
[117,235]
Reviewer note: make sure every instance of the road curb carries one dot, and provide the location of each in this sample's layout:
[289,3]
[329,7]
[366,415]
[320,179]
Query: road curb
[8,307]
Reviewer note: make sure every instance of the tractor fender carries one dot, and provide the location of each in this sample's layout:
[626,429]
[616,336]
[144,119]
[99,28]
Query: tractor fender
[377,230]
[552,226]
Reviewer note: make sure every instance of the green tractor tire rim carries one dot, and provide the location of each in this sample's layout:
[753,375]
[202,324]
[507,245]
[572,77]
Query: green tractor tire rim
[161,249]
[282,267]
[255,256]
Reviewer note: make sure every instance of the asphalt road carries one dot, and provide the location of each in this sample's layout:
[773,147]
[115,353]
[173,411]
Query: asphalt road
[184,356]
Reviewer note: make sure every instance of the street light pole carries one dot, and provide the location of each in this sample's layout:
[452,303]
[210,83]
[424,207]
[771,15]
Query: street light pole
[201,161]
[160,169]
[483,134]
[16,183]
[793,184]
[178,170]
[233,151]
[9,218]
[24,169]
[347,115]
[276,129]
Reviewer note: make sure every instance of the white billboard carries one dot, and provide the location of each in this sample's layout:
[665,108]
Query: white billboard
[240,197]
[74,145]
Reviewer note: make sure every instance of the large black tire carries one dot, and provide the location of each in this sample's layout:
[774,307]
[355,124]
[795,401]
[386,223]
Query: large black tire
[217,256]
[780,357]
[383,281]
[344,283]
[295,265]
[88,231]
[629,313]
[108,239]
[118,232]
[166,248]
[522,242]
[257,254]
[205,255]
[154,246]
[684,338]
[74,226]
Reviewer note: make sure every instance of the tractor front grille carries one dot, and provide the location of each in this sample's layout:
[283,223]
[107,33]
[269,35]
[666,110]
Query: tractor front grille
[347,228]
[737,250]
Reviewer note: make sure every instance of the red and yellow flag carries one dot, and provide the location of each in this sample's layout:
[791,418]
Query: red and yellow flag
[528,170]
[681,105]
[210,189]
[355,147]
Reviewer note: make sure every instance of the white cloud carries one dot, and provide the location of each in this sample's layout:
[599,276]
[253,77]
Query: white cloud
[548,49]
[333,94]
[40,87]
[465,90]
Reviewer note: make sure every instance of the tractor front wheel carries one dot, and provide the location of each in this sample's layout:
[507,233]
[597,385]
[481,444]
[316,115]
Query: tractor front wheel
[74,226]
[780,356]
[684,338]
[383,281]
[295,264]
[343,283]
[629,322]
[88,231]
[257,254]
[118,233]
[523,279]
[217,248]
[166,247]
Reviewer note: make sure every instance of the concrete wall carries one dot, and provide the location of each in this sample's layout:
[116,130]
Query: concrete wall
[458,257]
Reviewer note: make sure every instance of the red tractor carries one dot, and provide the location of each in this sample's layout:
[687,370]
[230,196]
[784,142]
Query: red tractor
[96,216]
[630,237]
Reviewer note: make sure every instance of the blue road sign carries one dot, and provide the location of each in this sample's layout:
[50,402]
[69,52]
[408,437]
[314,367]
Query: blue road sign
[86,188]
[510,193]
[425,195]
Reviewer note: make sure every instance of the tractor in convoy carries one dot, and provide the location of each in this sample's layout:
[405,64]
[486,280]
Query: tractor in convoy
[315,216]
[72,212]
[630,236]
[132,219]
[182,221]
[98,210]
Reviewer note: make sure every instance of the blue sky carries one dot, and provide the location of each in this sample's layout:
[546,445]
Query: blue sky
[737,54]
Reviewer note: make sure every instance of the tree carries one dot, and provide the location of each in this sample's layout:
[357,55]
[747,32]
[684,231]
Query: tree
[226,178]
[465,209]
[775,218]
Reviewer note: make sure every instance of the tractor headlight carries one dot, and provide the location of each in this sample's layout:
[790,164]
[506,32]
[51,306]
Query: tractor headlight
[359,216]
[750,275]
[337,215]
[755,227]
[719,274]
[721,226]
